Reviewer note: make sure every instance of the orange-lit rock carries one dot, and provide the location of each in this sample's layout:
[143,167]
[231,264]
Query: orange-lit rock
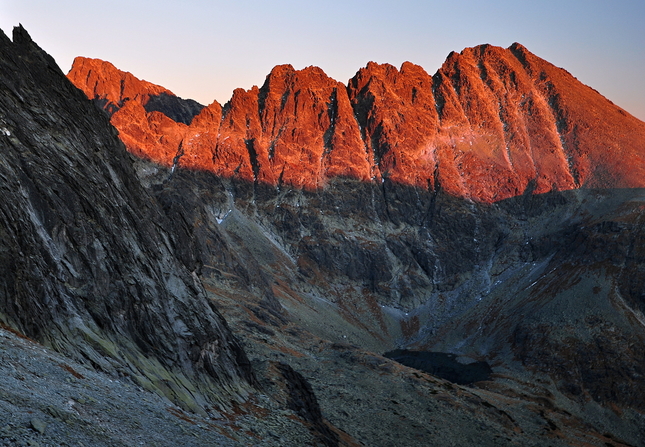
[110,86]
[604,145]
[151,120]
[397,115]
[498,126]
[200,138]
[240,132]
[148,135]
[491,124]
[347,154]
[297,129]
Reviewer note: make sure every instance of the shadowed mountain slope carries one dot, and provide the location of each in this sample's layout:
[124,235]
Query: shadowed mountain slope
[87,264]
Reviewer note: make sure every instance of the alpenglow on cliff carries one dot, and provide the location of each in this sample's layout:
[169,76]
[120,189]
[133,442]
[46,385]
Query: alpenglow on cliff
[491,124]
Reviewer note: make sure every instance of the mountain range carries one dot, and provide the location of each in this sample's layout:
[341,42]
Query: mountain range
[252,271]
[490,124]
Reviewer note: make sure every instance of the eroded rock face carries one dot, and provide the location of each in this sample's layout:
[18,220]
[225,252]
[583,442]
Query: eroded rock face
[396,113]
[298,129]
[491,124]
[112,88]
[152,121]
[109,86]
[87,264]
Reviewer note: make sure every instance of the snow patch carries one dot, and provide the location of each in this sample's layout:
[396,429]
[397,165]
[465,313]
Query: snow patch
[220,220]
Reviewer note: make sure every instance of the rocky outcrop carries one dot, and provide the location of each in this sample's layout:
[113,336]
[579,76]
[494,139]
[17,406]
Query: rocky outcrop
[298,130]
[112,88]
[87,263]
[491,124]
[396,114]
[152,121]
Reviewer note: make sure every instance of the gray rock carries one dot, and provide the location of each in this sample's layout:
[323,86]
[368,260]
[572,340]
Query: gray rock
[38,425]
[87,265]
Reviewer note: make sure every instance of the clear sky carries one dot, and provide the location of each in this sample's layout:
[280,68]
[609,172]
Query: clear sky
[204,49]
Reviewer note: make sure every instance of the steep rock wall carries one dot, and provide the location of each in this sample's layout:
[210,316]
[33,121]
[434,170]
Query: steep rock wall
[87,263]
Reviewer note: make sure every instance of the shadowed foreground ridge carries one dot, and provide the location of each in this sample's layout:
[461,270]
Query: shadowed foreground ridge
[86,263]
[491,124]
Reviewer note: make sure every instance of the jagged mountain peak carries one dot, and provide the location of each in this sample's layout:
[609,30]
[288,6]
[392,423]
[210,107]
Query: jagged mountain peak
[490,124]
[102,81]
[112,88]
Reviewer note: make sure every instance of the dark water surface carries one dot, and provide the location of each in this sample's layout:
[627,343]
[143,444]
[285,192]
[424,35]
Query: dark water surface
[442,365]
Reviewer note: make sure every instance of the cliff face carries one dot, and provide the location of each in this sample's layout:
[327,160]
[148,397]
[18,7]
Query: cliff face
[491,124]
[87,264]
[296,130]
[151,120]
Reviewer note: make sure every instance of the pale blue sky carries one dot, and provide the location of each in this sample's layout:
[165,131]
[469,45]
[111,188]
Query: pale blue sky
[204,49]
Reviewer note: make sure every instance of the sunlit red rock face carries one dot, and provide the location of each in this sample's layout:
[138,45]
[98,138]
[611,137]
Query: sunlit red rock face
[112,87]
[298,129]
[492,123]
[134,107]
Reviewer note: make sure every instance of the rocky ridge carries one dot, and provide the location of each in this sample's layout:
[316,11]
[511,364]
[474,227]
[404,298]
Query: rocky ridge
[384,264]
[87,265]
[492,123]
